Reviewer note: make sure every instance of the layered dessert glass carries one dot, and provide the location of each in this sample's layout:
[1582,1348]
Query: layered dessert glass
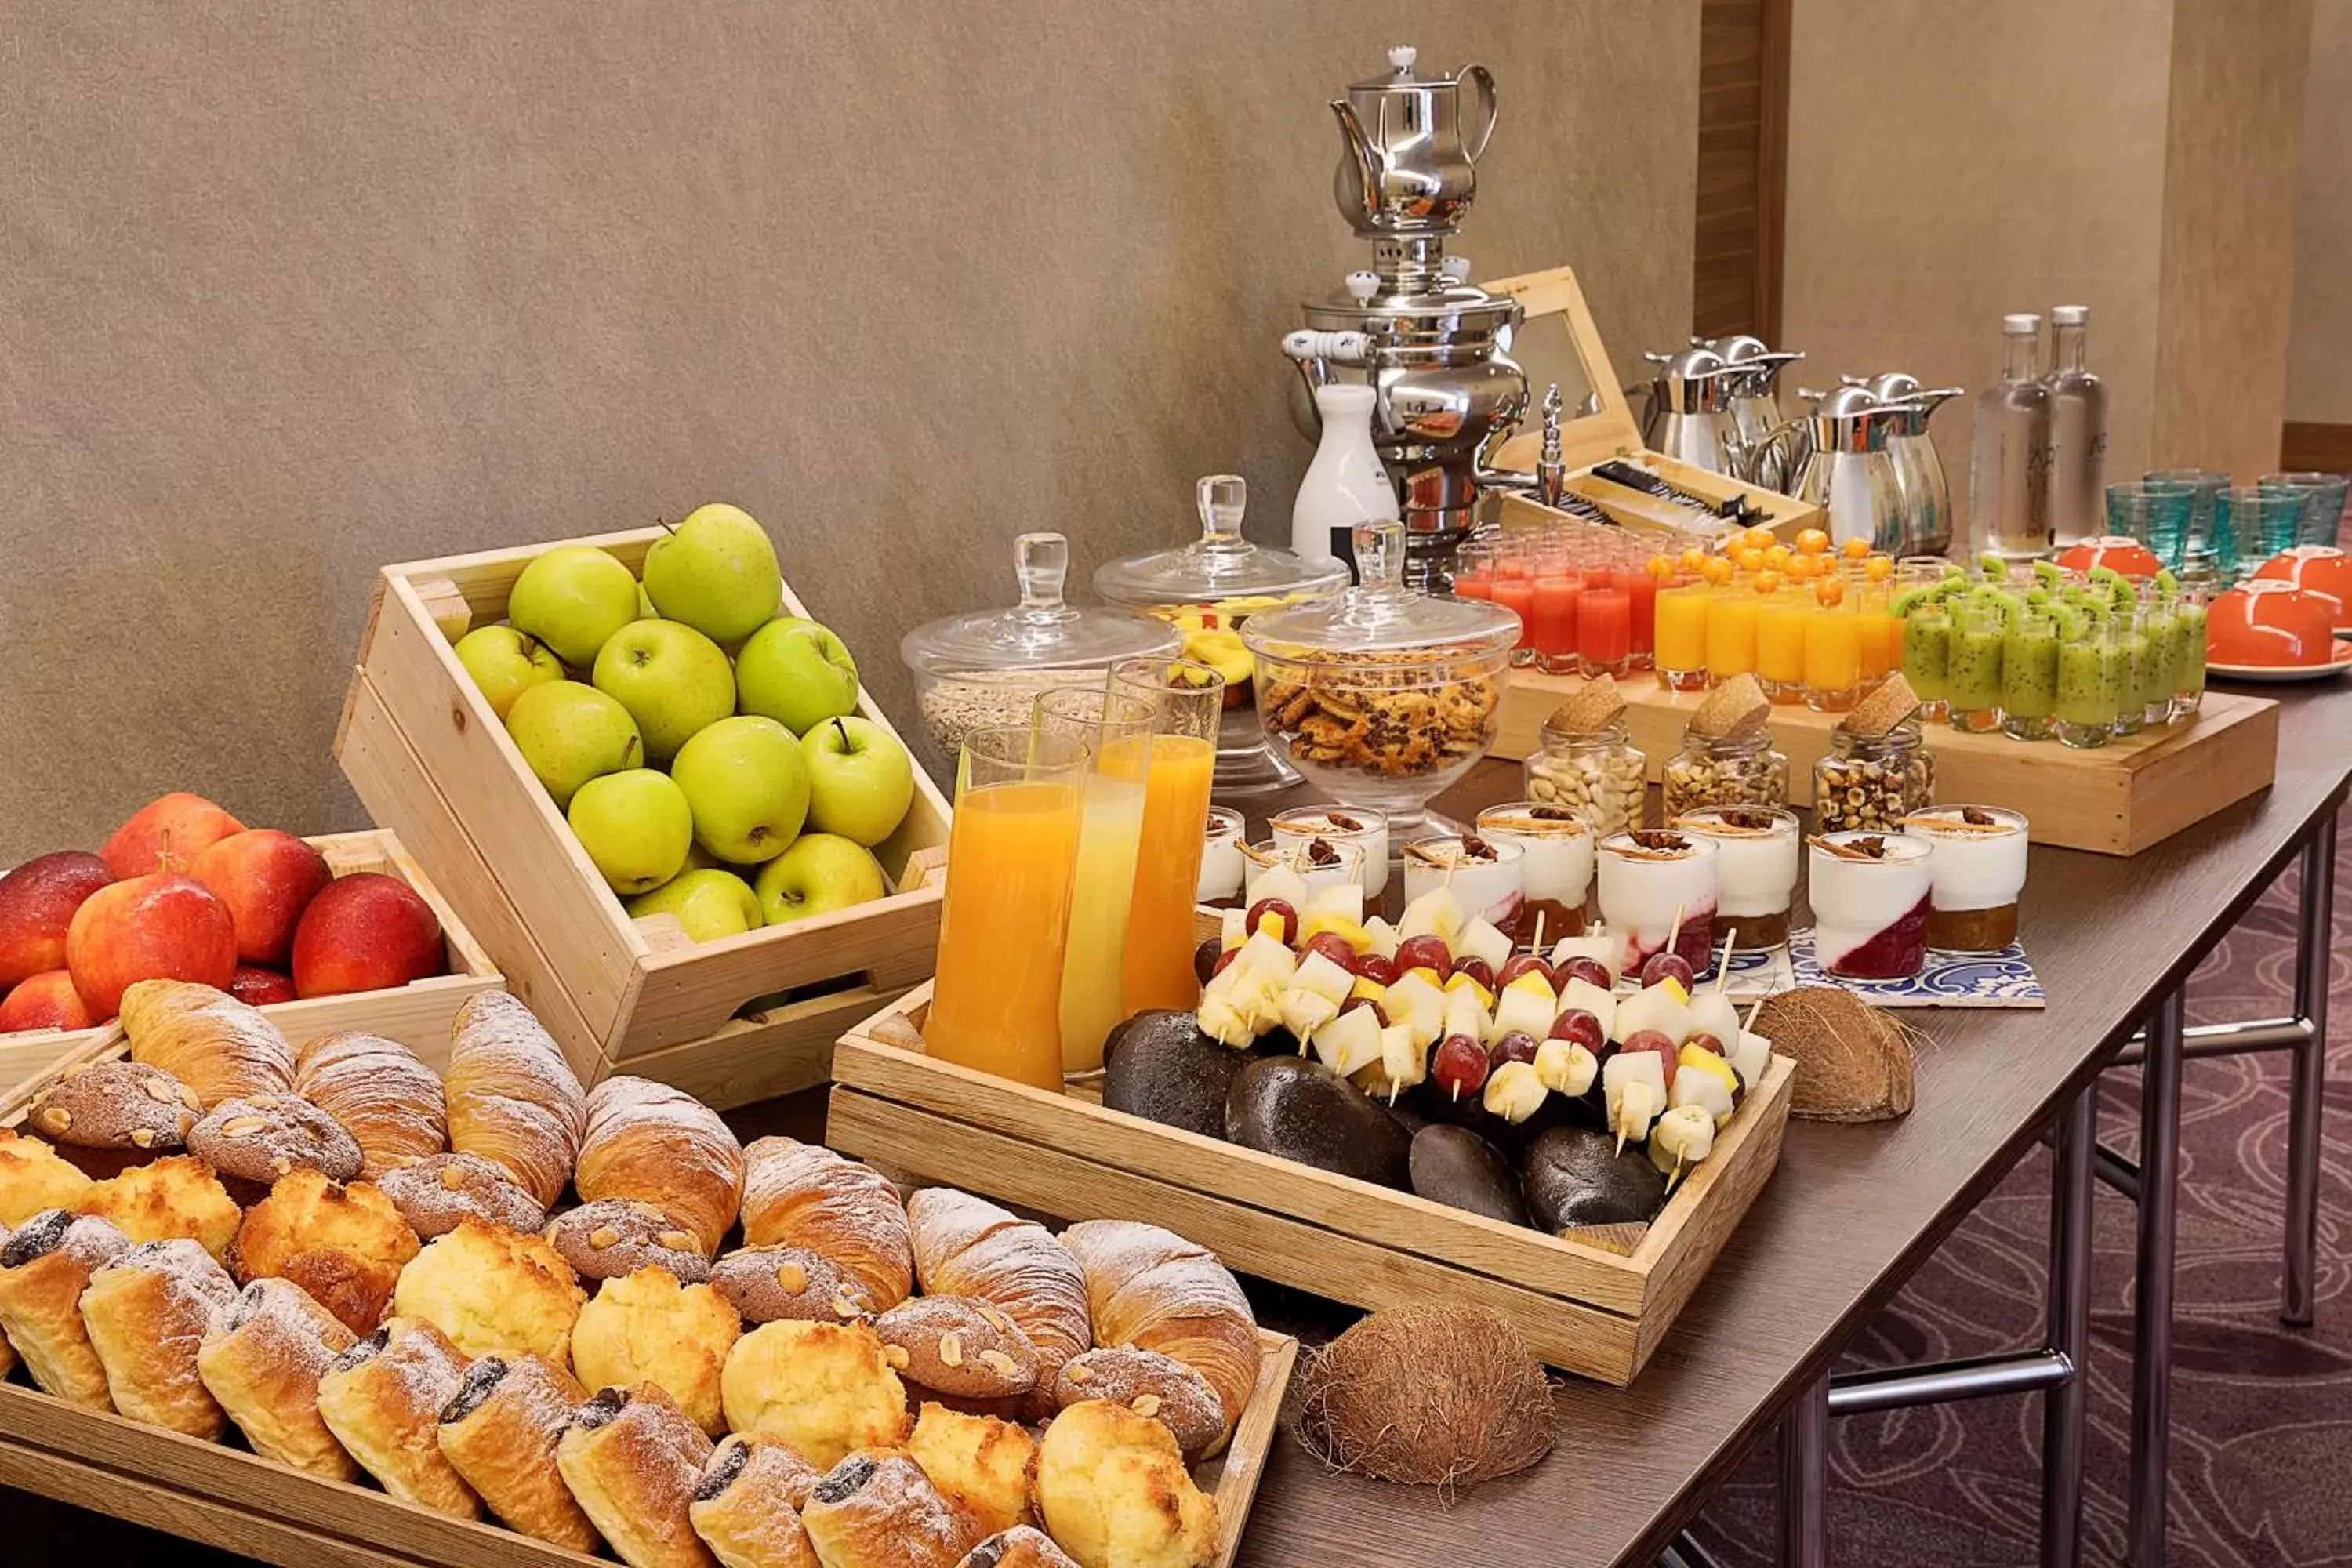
[1297,872]
[1555,866]
[1658,892]
[1756,855]
[1361,826]
[1221,857]
[1977,870]
[1485,875]
[1870,895]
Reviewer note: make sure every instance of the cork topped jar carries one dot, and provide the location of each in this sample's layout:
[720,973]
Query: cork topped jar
[1738,768]
[1596,773]
[1870,783]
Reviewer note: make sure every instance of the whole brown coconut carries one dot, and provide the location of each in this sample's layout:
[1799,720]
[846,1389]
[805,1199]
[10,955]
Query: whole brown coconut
[1444,1394]
[1853,1060]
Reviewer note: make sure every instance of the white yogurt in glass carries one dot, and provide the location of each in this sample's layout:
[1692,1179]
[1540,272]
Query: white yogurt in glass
[1556,845]
[1221,859]
[1978,872]
[1756,862]
[1649,880]
[1297,872]
[1870,915]
[1361,826]
[1491,888]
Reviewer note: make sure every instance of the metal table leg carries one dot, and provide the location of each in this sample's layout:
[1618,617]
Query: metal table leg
[2307,1084]
[1805,1479]
[2160,1129]
[2064,1406]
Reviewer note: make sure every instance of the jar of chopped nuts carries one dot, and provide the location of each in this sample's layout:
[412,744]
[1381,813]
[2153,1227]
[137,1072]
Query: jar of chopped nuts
[1597,772]
[1872,782]
[1738,769]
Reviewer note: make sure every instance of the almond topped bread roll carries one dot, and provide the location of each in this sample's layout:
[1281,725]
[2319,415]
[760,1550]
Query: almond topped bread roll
[1151,1288]
[512,1097]
[207,1039]
[662,1146]
[966,1246]
[804,1194]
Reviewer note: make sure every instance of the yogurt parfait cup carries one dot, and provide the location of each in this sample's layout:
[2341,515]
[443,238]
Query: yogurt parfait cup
[1871,896]
[1361,826]
[1554,865]
[1486,874]
[1220,861]
[1977,870]
[1297,872]
[1650,879]
[1755,857]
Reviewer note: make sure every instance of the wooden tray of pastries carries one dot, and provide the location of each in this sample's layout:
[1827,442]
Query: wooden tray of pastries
[324,1305]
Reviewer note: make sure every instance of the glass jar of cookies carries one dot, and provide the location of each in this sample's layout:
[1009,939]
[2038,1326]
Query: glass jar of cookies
[1738,768]
[1870,783]
[1599,772]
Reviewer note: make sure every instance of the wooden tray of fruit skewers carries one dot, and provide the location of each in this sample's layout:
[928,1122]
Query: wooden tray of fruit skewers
[1594,1297]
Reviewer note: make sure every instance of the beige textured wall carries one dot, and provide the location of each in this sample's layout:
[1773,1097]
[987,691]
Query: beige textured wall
[1950,163]
[289,291]
[2319,362]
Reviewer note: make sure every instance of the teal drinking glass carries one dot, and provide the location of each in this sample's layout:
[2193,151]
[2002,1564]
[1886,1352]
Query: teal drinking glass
[2322,503]
[2156,514]
[2263,519]
[2208,548]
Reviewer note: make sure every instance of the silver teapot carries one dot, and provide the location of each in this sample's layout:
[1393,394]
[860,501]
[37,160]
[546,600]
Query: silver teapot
[1409,164]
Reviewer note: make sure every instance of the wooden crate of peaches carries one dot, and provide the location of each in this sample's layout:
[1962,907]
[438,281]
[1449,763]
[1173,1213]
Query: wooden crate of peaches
[366,1269]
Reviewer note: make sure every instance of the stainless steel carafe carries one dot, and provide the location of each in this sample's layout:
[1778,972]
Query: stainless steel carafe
[1754,383]
[1848,473]
[1918,468]
[1692,415]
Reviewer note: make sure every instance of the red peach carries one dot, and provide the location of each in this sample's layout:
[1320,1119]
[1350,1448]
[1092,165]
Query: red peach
[173,829]
[38,900]
[267,878]
[258,987]
[46,1001]
[365,932]
[166,926]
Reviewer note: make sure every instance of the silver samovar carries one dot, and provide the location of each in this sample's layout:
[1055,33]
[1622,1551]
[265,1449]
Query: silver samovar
[1413,328]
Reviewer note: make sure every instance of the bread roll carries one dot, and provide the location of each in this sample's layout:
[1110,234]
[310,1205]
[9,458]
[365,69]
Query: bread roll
[493,1292]
[804,1194]
[499,1433]
[129,1109]
[385,1096]
[662,1146]
[879,1510]
[824,1388]
[966,1246]
[766,1283]
[1153,1290]
[147,1312]
[33,1176]
[1023,1546]
[174,1196]
[959,1345]
[747,1507]
[345,1245]
[985,1467]
[632,1460]
[613,1237]
[44,1267]
[512,1097]
[255,1139]
[439,1191]
[1115,1493]
[1152,1384]
[209,1040]
[262,1359]
[382,1400]
[646,1328]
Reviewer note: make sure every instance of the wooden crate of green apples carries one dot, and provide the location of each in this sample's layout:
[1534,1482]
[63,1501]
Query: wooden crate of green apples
[656,790]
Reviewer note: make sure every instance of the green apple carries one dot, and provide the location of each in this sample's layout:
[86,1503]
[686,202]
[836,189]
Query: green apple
[797,673]
[749,786]
[645,611]
[571,599]
[671,679]
[861,780]
[504,662]
[709,903]
[821,872]
[636,826]
[717,571]
[570,733]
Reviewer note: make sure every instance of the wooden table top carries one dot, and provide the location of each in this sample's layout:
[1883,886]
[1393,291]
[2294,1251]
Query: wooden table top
[1851,1213]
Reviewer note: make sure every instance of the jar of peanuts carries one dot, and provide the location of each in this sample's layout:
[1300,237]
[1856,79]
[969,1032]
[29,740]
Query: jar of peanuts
[1597,772]
[1725,769]
[1872,782]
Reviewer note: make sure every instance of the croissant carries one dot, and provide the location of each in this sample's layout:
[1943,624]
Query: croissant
[390,1102]
[804,1194]
[512,1097]
[662,1146]
[966,1246]
[218,1047]
[1153,1290]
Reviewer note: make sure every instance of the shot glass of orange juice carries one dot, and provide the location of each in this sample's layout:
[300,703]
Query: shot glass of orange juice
[1004,918]
[1680,630]
[1111,724]
[1833,657]
[1176,764]
[1780,642]
[1731,616]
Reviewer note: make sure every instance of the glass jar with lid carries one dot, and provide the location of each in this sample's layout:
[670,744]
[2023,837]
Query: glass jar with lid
[1380,696]
[985,668]
[1870,783]
[1738,768]
[1597,772]
[1206,590]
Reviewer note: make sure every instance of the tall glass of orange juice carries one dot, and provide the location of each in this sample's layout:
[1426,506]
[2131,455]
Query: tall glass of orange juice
[1013,855]
[1681,635]
[1176,764]
[1114,726]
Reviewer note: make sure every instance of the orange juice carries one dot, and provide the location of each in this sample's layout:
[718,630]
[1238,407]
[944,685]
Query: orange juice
[1012,850]
[1681,633]
[1160,940]
[1731,632]
[1832,658]
[1780,642]
[1875,631]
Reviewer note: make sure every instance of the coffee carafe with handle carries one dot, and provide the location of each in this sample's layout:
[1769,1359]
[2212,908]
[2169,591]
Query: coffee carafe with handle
[1918,469]
[1753,381]
[1848,473]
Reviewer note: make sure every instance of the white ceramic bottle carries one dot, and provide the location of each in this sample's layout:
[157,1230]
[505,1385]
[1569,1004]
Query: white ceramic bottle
[1345,485]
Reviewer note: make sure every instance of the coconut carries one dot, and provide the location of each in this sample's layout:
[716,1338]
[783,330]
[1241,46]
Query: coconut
[1444,1394]
[1853,1060]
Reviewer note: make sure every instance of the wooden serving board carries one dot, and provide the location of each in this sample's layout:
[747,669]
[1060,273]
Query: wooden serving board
[2118,799]
[1596,1306]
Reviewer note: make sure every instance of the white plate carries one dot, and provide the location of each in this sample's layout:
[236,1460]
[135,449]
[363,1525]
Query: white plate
[2342,662]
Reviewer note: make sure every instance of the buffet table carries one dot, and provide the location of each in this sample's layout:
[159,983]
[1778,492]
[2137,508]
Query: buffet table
[1853,1213]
